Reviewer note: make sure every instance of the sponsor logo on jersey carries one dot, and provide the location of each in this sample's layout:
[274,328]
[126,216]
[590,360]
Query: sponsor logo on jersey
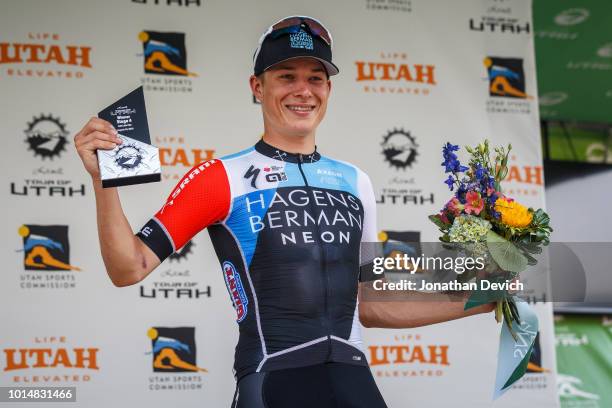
[272,174]
[236,290]
[185,181]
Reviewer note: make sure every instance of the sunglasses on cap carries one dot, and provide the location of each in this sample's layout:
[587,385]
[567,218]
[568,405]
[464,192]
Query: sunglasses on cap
[292,25]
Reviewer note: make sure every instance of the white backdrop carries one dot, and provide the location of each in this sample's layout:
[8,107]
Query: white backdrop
[411,72]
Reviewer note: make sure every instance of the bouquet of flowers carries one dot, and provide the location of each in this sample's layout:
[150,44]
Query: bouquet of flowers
[480,217]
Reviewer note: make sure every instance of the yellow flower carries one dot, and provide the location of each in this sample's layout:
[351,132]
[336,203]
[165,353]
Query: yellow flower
[513,213]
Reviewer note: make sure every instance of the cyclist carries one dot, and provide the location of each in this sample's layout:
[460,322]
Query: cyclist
[286,223]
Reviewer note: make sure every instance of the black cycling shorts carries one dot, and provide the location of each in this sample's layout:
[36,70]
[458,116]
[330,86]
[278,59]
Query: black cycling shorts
[328,385]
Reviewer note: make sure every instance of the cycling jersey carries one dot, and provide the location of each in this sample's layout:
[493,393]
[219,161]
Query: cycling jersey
[287,230]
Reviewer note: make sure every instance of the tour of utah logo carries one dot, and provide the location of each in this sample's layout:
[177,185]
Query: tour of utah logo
[174,280]
[46,136]
[164,53]
[46,248]
[399,148]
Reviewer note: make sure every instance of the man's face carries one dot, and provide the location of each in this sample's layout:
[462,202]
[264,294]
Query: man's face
[293,95]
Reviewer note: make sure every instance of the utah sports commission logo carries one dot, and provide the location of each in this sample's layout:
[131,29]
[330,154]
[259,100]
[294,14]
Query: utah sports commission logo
[399,148]
[506,77]
[164,53]
[173,349]
[236,290]
[45,248]
[46,136]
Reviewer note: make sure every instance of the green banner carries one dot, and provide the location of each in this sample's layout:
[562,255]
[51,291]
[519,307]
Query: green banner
[584,361]
[573,45]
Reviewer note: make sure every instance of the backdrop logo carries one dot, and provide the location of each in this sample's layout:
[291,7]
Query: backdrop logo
[173,281]
[179,3]
[46,248]
[552,98]
[572,16]
[394,73]
[400,242]
[173,349]
[399,148]
[571,388]
[44,362]
[236,290]
[409,356]
[182,253]
[44,55]
[499,18]
[506,77]
[164,53]
[524,180]
[389,5]
[175,156]
[46,136]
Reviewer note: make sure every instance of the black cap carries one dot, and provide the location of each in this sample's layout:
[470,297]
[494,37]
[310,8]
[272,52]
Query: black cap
[302,43]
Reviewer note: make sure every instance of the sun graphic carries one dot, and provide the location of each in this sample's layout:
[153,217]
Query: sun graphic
[23,231]
[487,62]
[152,333]
[383,236]
[143,36]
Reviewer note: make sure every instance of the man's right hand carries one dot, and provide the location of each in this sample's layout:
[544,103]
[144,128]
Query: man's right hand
[96,134]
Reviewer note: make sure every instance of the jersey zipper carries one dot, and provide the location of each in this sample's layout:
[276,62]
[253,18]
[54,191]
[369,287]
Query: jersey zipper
[323,263]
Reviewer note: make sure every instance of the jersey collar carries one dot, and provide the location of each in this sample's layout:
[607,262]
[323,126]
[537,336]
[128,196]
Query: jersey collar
[278,154]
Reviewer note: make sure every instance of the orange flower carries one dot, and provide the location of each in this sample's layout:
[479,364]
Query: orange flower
[512,213]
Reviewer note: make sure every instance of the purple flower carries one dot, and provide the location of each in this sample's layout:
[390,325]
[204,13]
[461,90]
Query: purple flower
[451,182]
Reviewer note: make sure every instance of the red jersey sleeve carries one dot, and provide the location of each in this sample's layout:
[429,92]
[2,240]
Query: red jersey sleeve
[200,199]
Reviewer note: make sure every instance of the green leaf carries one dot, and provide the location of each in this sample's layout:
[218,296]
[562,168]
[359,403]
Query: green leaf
[505,254]
[436,220]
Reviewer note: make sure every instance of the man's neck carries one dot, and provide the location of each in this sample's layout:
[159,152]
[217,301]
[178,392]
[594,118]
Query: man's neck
[291,144]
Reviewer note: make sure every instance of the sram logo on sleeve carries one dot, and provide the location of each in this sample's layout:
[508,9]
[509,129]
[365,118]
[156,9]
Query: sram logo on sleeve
[236,290]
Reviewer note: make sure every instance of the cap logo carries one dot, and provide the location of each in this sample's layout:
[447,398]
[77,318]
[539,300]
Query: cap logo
[301,39]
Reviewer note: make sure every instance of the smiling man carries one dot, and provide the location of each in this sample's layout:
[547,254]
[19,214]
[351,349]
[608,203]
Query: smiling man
[286,223]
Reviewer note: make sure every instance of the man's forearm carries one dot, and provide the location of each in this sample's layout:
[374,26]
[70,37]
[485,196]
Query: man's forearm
[416,309]
[118,244]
